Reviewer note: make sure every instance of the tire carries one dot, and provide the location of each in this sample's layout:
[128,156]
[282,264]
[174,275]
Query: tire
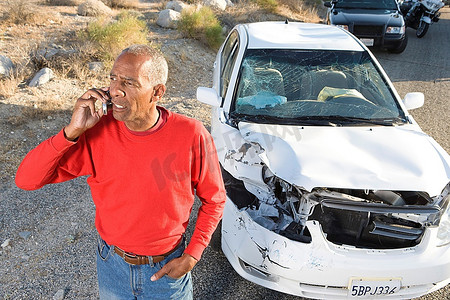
[422,29]
[216,239]
[400,48]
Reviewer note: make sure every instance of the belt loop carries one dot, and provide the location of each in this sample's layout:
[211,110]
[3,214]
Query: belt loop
[150,261]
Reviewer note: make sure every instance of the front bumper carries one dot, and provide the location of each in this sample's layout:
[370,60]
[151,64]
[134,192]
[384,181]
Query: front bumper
[322,270]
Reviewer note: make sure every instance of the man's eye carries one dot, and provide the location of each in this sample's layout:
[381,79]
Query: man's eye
[112,78]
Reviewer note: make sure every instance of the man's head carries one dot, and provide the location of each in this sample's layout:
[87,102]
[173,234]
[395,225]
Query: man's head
[138,80]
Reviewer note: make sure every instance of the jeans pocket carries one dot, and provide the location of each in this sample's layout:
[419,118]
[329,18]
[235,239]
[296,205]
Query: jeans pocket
[103,249]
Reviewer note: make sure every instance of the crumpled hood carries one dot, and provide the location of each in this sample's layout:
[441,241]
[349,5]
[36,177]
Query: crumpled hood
[380,158]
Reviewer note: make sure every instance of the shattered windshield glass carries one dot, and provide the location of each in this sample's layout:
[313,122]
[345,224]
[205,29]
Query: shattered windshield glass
[367,4]
[295,86]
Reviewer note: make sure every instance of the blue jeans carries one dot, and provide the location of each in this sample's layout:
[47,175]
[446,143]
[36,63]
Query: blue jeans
[120,280]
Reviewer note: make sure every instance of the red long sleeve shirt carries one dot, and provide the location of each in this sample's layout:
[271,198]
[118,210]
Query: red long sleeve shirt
[143,186]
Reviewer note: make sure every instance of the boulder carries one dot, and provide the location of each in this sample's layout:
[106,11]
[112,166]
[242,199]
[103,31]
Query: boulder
[53,50]
[6,66]
[168,18]
[43,76]
[176,5]
[93,8]
[219,4]
[96,66]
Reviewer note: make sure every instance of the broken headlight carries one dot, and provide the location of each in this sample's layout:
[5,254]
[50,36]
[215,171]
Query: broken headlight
[443,233]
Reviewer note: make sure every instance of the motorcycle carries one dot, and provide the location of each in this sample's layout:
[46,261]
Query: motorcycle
[420,14]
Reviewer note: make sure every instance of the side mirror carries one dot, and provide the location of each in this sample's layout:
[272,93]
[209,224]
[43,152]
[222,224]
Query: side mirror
[413,100]
[327,4]
[208,96]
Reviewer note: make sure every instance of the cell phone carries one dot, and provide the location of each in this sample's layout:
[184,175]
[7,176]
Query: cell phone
[106,104]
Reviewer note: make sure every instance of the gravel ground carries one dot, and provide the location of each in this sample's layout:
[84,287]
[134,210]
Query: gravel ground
[48,236]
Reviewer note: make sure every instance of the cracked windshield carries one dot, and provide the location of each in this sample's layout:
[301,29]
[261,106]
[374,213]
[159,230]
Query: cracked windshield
[319,87]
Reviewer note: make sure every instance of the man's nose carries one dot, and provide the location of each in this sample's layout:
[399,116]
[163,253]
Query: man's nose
[115,91]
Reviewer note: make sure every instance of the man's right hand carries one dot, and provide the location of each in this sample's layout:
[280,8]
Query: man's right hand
[84,115]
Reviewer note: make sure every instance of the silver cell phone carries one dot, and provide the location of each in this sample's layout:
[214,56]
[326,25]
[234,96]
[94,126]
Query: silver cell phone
[106,104]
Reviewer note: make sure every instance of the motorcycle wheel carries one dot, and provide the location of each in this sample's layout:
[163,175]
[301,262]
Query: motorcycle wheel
[422,29]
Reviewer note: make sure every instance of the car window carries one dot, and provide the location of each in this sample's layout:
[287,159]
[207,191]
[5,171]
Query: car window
[367,4]
[227,61]
[293,85]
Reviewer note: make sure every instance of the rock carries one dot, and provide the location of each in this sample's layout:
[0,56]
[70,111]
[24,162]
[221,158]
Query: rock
[43,76]
[219,4]
[96,66]
[59,295]
[54,50]
[25,257]
[6,243]
[6,66]
[93,8]
[168,18]
[176,5]
[24,234]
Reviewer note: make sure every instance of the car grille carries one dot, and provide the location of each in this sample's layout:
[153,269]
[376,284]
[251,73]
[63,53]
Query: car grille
[365,30]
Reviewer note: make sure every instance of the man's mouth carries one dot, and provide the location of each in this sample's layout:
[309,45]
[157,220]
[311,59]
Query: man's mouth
[118,106]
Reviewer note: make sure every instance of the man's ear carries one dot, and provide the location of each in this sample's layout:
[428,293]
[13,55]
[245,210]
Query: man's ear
[158,91]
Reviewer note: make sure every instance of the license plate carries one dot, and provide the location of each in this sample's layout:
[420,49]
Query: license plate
[369,288]
[367,42]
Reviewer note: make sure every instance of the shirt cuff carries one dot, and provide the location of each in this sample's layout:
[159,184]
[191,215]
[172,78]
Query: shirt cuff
[195,250]
[60,143]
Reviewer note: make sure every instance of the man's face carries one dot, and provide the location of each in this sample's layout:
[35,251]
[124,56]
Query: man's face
[133,95]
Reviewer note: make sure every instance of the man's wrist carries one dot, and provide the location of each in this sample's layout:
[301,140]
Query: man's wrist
[70,135]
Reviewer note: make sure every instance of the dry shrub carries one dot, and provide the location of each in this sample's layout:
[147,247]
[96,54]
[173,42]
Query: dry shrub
[109,38]
[203,25]
[22,12]
[8,86]
[268,5]
[122,3]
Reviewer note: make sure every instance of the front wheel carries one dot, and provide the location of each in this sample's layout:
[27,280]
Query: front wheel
[422,29]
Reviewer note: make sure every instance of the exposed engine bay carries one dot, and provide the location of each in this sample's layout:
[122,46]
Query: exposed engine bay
[361,218]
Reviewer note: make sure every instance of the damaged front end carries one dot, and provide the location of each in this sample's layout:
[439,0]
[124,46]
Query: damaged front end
[362,218]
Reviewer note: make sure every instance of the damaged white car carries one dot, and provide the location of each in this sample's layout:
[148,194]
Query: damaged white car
[333,189]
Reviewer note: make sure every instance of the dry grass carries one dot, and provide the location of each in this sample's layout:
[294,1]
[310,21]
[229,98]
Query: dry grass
[22,12]
[122,3]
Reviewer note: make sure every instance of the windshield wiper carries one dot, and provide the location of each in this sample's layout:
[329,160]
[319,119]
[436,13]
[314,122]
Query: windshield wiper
[363,121]
[333,120]
[282,120]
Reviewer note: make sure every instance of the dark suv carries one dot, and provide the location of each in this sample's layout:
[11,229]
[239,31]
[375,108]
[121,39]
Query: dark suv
[377,23]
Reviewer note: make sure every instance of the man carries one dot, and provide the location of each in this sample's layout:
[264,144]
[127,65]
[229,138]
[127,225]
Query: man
[145,165]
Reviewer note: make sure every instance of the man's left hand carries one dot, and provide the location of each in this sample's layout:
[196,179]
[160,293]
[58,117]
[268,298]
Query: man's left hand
[176,268]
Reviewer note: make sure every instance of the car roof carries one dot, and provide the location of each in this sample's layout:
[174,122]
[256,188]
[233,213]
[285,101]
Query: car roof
[296,35]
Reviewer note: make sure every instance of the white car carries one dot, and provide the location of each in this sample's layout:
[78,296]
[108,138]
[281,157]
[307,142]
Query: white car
[334,192]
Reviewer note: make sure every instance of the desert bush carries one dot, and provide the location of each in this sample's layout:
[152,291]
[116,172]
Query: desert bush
[268,5]
[111,37]
[122,3]
[202,25]
[21,12]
